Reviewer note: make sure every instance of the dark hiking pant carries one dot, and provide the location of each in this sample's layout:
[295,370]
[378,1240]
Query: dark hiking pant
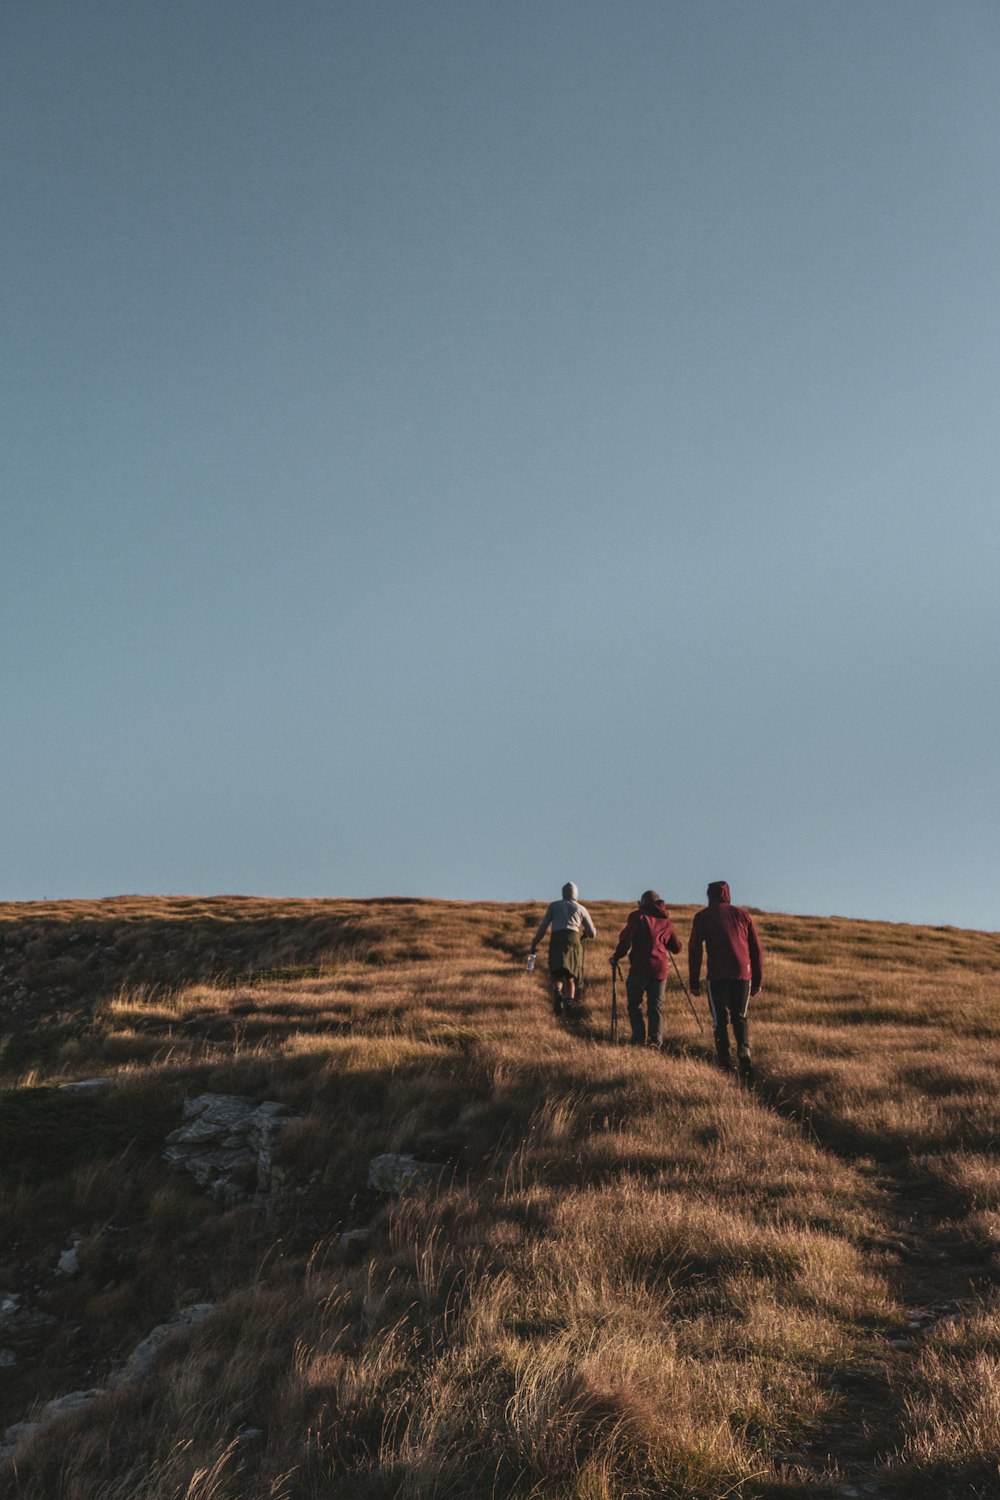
[636,987]
[728,1000]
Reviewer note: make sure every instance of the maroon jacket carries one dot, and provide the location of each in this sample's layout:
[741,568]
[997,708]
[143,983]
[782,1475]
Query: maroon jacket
[649,934]
[728,934]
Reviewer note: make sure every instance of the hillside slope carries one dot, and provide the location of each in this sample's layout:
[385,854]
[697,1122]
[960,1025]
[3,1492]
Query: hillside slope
[622,1276]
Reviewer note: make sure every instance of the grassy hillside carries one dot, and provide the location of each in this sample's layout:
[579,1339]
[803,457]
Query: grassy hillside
[632,1277]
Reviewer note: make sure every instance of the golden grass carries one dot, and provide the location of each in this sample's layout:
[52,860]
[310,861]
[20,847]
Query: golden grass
[633,1278]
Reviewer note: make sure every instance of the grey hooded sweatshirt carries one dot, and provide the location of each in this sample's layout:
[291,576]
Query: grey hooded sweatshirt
[567,913]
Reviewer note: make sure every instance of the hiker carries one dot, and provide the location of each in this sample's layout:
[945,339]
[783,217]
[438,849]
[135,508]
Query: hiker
[571,925]
[735,972]
[648,937]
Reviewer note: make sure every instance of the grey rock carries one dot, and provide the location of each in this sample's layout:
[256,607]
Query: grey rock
[8,1359]
[228,1144]
[72,1402]
[27,1320]
[400,1174]
[68,1264]
[359,1238]
[84,1085]
[144,1355]
[15,1436]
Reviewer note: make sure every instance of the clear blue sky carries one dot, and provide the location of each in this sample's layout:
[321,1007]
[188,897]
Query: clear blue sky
[452,448]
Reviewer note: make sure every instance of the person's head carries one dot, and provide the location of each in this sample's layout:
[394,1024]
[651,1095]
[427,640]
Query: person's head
[570,891]
[649,898]
[718,891]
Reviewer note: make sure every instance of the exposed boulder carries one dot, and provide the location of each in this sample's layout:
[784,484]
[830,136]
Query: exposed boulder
[144,1355]
[68,1263]
[356,1239]
[228,1144]
[400,1174]
[14,1436]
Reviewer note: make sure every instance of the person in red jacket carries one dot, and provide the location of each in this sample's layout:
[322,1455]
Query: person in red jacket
[648,937]
[735,971]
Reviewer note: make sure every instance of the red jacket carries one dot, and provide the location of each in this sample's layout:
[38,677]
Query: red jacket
[728,934]
[649,934]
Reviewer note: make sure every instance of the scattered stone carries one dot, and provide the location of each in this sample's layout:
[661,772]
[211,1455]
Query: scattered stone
[144,1355]
[68,1264]
[901,1343]
[27,1320]
[400,1174]
[356,1238]
[8,1359]
[228,1146]
[72,1402]
[14,1436]
[84,1085]
[9,1304]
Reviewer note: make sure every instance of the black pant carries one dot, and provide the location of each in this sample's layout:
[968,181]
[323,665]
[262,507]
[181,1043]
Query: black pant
[637,985]
[728,1000]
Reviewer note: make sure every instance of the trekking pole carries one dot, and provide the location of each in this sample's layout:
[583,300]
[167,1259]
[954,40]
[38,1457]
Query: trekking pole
[687,992]
[615,976]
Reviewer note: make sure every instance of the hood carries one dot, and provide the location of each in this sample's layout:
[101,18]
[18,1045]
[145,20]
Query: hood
[650,903]
[570,892]
[718,892]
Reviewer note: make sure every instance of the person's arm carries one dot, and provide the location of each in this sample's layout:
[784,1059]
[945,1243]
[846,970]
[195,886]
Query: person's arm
[589,930]
[756,959]
[695,945]
[543,924]
[674,944]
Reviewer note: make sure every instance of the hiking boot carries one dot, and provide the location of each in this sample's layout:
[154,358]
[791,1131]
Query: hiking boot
[557,1006]
[725,1064]
[654,1046]
[746,1064]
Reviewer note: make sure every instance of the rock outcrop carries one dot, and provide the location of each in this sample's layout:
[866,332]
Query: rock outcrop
[228,1145]
[401,1174]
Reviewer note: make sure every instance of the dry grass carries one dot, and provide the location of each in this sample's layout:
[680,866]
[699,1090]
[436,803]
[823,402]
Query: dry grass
[633,1279]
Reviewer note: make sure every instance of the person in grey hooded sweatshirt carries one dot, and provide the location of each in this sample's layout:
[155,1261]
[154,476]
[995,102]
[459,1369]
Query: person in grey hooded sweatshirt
[571,925]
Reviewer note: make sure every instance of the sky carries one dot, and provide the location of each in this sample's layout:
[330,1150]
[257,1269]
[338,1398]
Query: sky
[455,448]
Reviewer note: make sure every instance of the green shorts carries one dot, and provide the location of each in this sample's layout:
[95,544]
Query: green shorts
[566,954]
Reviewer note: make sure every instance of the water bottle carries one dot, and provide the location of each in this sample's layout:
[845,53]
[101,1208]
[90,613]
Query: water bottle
[529,966]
